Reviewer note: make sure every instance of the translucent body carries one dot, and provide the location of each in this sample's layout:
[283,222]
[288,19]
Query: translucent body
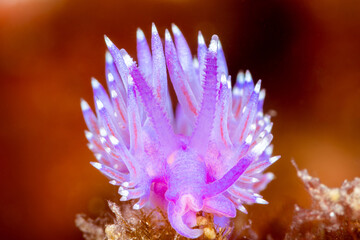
[207,156]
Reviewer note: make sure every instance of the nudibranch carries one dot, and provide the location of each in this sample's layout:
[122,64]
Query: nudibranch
[207,156]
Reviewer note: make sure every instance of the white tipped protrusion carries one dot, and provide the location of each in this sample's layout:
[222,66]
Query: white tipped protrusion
[240,78]
[140,34]
[223,79]
[99,104]
[113,94]
[108,58]
[95,83]
[269,150]
[268,128]
[270,176]
[154,31]
[125,184]
[261,123]
[274,159]
[241,208]
[167,36]
[108,42]
[219,45]
[128,60]
[229,82]
[262,94]
[136,206]
[236,91]
[84,105]
[248,77]
[88,135]
[113,182]
[130,80]
[90,146]
[175,30]
[257,87]
[248,139]
[121,188]
[110,77]
[114,140]
[262,134]
[124,193]
[201,40]
[108,150]
[98,156]
[261,201]
[213,44]
[123,199]
[103,132]
[195,63]
[96,165]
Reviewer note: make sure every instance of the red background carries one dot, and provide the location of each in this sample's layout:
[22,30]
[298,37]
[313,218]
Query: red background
[306,52]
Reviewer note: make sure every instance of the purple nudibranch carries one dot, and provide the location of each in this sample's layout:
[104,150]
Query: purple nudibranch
[208,156]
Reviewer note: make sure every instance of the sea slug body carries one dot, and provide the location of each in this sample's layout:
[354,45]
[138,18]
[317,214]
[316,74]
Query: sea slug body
[207,156]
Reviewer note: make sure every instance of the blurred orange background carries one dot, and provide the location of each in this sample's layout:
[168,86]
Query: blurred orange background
[306,52]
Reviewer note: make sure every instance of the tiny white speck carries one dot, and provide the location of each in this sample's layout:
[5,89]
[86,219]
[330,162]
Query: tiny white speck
[223,79]
[175,30]
[260,114]
[115,114]
[107,149]
[108,42]
[253,126]
[136,206]
[116,166]
[103,132]
[127,59]
[110,77]
[261,201]
[113,182]
[167,36]
[121,188]
[255,180]
[99,104]
[332,214]
[257,87]
[108,58]
[113,94]
[248,139]
[88,135]
[125,184]
[98,156]
[84,105]
[140,34]
[114,140]
[248,77]
[201,40]
[244,109]
[96,165]
[102,140]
